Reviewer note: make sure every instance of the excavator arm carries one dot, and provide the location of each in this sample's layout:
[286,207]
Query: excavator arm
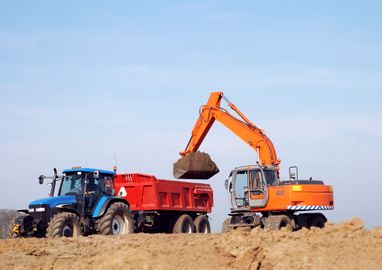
[242,127]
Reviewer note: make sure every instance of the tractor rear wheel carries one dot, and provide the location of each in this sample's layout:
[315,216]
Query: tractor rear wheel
[184,224]
[64,224]
[202,224]
[277,222]
[116,221]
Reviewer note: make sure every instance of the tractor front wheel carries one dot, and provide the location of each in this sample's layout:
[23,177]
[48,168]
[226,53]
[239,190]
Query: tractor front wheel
[64,224]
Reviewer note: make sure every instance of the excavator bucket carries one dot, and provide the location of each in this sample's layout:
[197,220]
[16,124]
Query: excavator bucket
[195,165]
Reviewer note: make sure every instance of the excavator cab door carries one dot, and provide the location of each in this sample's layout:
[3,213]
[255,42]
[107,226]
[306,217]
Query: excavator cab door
[239,189]
[258,189]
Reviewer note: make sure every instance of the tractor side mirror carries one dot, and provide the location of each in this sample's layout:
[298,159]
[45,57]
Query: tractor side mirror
[41,179]
[96,174]
[226,184]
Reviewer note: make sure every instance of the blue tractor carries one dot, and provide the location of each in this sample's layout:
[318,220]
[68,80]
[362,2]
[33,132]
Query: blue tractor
[82,201]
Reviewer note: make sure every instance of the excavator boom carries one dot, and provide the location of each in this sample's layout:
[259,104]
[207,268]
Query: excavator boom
[196,165]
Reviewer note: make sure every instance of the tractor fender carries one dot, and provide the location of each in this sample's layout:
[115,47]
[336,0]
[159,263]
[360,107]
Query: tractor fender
[103,204]
[65,208]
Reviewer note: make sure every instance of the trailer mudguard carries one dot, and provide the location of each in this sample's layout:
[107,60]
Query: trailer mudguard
[104,202]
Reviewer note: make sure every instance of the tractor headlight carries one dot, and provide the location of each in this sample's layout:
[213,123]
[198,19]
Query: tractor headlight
[31,210]
[40,209]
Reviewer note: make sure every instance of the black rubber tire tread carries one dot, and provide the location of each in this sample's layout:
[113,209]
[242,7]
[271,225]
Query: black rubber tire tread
[277,222]
[225,225]
[181,221]
[202,224]
[318,220]
[104,224]
[58,221]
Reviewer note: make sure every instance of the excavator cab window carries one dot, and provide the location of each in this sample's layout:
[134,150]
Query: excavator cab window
[241,188]
[256,184]
[270,177]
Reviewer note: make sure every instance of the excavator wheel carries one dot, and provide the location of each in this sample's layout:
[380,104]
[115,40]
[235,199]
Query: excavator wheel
[225,225]
[318,220]
[277,222]
[195,165]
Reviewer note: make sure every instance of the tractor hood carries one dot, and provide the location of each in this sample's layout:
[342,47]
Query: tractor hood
[54,201]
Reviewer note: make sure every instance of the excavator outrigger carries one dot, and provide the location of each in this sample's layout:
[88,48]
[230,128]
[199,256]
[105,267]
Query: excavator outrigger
[255,189]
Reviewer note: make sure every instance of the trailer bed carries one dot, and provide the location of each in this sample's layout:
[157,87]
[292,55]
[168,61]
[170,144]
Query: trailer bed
[147,193]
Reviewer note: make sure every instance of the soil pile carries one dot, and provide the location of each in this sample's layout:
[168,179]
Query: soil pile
[338,246]
[196,165]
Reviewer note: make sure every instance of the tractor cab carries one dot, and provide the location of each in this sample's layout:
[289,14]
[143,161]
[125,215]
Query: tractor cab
[87,185]
[78,188]
[248,186]
[86,181]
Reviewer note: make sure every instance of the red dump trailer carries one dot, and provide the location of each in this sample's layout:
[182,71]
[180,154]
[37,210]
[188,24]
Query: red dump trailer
[166,205]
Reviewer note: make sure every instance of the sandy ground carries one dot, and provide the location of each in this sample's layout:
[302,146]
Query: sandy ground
[340,246]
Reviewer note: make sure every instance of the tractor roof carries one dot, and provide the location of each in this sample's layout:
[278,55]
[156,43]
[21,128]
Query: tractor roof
[88,170]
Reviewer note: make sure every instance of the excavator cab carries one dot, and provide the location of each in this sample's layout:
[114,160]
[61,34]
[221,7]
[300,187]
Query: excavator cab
[248,186]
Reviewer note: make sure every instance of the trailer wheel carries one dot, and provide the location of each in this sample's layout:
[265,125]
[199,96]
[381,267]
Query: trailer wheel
[64,224]
[184,224]
[225,225]
[116,221]
[202,224]
[318,220]
[277,222]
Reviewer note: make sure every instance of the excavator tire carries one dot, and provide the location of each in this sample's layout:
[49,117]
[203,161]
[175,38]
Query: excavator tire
[202,224]
[277,222]
[116,221]
[195,165]
[64,224]
[225,225]
[318,220]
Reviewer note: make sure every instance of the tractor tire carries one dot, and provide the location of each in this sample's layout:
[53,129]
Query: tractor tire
[116,221]
[318,220]
[64,224]
[202,224]
[184,224]
[277,222]
[225,226]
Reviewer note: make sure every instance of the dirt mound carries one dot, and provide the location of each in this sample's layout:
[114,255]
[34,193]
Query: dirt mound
[339,246]
[197,165]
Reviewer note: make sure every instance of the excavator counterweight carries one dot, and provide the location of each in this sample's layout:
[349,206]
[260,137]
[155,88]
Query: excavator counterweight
[195,165]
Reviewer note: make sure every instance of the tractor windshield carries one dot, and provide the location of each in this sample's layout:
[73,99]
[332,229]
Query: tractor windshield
[71,183]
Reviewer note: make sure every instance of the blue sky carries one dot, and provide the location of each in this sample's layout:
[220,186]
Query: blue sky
[81,81]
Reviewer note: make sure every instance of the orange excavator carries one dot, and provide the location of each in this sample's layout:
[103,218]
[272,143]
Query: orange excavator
[258,196]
